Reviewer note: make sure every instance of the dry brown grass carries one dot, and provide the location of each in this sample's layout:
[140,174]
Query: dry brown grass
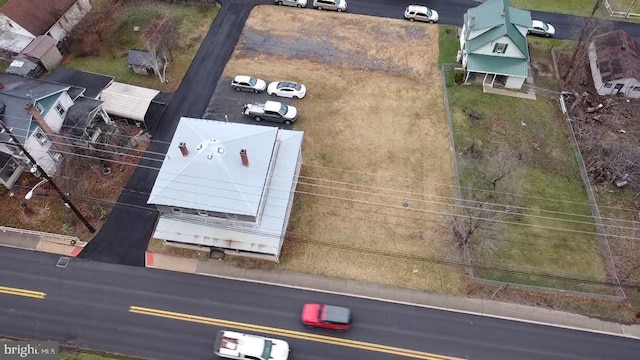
[158,247]
[387,127]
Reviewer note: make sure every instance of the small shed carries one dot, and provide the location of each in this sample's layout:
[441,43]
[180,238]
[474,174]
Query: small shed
[141,62]
[24,66]
[44,49]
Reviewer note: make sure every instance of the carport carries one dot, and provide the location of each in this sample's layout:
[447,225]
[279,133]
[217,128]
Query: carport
[128,101]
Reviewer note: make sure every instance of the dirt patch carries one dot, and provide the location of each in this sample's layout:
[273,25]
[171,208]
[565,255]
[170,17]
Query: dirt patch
[90,189]
[376,148]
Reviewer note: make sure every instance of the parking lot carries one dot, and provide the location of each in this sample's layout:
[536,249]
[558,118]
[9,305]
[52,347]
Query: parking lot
[228,102]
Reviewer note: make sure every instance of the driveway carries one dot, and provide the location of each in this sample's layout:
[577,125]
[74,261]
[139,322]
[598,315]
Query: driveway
[124,237]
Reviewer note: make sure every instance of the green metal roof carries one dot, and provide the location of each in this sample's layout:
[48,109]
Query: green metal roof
[497,65]
[489,16]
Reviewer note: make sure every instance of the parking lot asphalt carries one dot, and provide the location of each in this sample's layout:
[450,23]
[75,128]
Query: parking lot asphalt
[225,101]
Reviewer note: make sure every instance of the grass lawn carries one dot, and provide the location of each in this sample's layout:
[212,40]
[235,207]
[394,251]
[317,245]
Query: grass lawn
[575,7]
[71,354]
[545,172]
[3,2]
[375,137]
[192,22]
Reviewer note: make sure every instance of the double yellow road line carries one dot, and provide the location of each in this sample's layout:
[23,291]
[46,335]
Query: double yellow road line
[22,292]
[291,334]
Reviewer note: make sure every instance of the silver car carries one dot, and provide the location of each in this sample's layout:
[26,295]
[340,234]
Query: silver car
[296,3]
[248,83]
[541,28]
[421,13]
[338,5]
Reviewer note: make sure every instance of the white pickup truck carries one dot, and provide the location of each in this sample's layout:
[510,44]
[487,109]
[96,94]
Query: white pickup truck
[239,346]
[271,111]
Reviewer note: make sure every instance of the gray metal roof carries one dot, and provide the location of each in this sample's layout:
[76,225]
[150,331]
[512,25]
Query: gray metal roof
[265,236]
[16,93]
[212,177]
[78,115]
[137,57]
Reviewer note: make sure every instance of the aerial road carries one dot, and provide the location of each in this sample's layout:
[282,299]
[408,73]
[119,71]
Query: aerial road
[165,315]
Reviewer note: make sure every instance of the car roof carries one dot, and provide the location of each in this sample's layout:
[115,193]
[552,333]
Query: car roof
[272,106]
[537,23]
[419,8]
[242,78]
[337,314]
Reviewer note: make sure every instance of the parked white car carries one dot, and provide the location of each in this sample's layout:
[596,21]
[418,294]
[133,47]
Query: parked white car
[541,28]
[296,3]
[239,346]
[421,13]
[337,5]
[287,89]
[248,83]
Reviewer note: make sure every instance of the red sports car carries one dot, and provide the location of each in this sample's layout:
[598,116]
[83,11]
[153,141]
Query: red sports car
[326,316]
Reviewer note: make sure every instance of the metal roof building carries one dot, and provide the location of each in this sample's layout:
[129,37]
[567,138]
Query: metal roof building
[228,186]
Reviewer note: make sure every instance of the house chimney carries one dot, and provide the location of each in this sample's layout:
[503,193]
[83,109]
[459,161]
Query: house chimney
[504,11]
[183,149]
[244,157]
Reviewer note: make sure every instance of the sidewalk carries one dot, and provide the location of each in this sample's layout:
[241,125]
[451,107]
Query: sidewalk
[66,246]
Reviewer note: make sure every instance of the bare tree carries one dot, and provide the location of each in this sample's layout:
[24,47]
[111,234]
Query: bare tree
[590,27]
[98,25]
[158,38]
[485,199]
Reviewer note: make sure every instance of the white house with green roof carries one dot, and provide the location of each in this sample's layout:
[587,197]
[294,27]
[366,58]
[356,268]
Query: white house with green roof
[493,44]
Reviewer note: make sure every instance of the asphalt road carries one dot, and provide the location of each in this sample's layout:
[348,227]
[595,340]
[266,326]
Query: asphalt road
[87,305]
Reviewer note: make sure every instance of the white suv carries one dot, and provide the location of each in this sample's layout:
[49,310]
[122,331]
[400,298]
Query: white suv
[338,5]
[421,13]
[239,346]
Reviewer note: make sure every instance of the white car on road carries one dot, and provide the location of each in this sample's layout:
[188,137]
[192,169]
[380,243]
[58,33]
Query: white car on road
[248,83]
[287,89]
[541,28]
[239,346]
[296,3]
[338,5]
[421,13]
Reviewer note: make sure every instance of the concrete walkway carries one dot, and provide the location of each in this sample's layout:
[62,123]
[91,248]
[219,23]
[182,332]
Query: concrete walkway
[51,243]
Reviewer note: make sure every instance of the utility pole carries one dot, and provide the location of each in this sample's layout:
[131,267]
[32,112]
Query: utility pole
[37,167]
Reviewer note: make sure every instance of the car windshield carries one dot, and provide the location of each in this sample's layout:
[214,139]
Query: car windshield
[545,26]
[252,81]
[266,352]
[338,2]
[429,12]
[283,109]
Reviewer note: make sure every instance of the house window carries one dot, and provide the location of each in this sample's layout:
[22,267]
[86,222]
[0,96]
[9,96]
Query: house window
[60,109]
[176,211]
[607,85]
[55,155]
[203,213]
[41,137]
[39,108]
[500,48]
[636,88]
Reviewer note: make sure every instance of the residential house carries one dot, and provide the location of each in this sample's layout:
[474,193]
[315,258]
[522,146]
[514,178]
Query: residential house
[614,59]
[493,44]
[21,21]
[228,186]
[44,116]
